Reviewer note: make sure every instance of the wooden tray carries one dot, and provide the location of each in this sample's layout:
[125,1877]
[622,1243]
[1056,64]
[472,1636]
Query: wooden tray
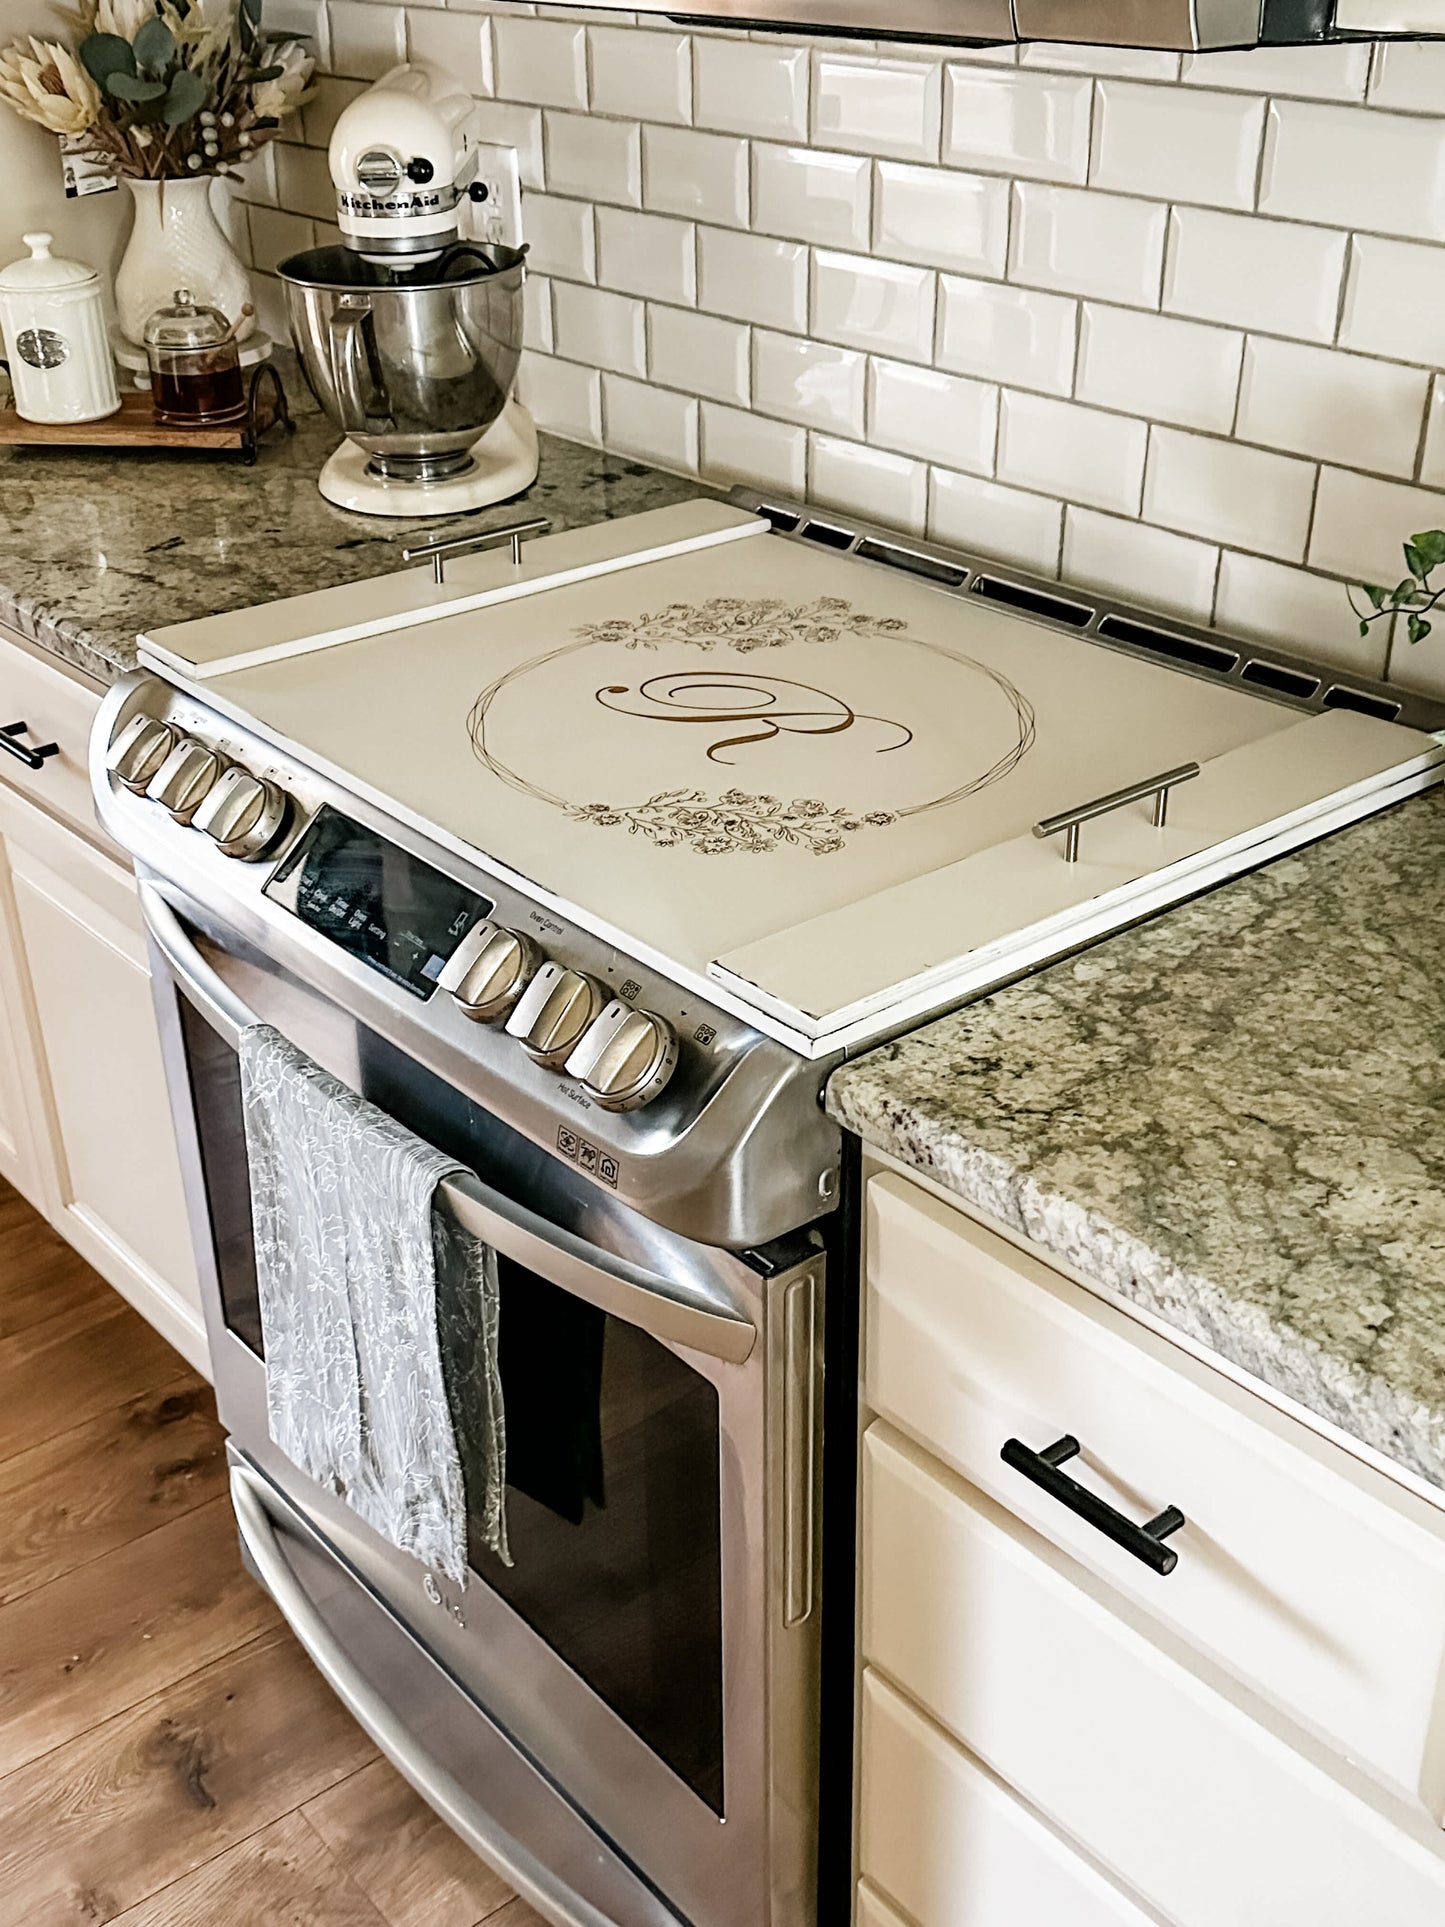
[134,425]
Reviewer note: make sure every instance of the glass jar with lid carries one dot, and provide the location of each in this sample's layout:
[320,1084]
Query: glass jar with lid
[195,364]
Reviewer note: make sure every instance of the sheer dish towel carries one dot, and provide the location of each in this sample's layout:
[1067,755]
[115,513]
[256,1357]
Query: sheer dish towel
[349,1256]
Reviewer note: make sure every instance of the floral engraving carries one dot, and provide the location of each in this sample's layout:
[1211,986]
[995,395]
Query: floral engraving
[744,624]
[736,821]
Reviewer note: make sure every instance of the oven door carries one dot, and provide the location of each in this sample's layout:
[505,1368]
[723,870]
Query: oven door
[652,1650]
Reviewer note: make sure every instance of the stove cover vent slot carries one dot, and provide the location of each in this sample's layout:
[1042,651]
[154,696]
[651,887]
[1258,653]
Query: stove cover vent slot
[1338,697]
[1287,682]
[927,566]
[784,520]
[827,535]
[1161,642]
[1032,601]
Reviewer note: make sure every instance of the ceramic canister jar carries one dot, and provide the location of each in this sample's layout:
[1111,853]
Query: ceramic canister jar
[54,324]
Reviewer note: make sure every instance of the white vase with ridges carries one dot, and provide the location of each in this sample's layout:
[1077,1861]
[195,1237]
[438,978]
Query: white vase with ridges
[177,242]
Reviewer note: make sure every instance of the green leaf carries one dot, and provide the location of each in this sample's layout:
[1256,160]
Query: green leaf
[1403,591]
[104,54]
[1430,546]
[1415,562]
[185,97]
[248,19]
[134,87]
[154,47]
[1417,628]
[266,73]
[1364,628]
[1375,594]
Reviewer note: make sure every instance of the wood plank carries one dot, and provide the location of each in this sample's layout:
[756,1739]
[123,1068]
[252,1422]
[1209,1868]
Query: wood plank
[415,1870]
[123,1628]
[79,1495]
[71,1367]
[119,1814]
[39,1273]
[133,425]
[282,1876]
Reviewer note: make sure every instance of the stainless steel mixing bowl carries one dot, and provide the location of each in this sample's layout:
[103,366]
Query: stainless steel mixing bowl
[414,364]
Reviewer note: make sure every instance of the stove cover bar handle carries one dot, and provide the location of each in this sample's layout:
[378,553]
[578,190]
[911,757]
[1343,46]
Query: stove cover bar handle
[521,1869]
[440,553]
[675,1313]
[1157,787]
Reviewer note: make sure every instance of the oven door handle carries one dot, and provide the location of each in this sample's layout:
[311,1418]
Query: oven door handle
[520,1868]
[678,1314]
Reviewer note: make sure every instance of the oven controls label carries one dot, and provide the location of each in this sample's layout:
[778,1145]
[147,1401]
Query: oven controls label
[588,1157]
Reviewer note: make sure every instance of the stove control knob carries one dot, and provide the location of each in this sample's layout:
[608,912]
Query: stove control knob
[553,1012]
[139,750]
[626,1057]
[489,970]
[242,813]
[185,778]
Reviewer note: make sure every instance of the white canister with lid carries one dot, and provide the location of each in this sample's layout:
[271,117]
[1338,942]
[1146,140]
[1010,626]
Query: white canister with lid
[53,318]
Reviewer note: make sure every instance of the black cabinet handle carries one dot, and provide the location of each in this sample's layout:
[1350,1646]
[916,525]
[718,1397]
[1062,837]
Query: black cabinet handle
[1146,1542]
[31,758]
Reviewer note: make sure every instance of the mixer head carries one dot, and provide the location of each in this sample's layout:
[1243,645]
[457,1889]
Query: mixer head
[403,157]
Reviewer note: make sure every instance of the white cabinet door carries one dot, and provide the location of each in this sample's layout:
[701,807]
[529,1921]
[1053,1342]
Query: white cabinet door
[19,1096]
[115,1179]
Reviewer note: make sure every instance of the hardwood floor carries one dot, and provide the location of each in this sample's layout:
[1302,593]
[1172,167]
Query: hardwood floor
[168,1755]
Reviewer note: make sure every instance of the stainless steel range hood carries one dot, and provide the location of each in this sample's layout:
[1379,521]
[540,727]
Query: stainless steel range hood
[1191,25]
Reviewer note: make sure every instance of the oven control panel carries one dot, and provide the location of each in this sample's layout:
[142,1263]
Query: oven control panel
[244,815]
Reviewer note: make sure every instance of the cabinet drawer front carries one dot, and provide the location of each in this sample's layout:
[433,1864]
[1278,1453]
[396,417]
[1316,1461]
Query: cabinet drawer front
[57,710]
[1174,1790]
[1312,1579]
[951,1845]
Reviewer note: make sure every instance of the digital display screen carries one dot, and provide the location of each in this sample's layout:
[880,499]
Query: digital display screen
[378,903]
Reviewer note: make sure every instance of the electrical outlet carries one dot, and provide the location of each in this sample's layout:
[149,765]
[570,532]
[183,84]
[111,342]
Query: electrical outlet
[497,217]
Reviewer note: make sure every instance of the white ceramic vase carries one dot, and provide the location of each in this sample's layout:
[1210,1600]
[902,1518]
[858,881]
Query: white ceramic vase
[177,242]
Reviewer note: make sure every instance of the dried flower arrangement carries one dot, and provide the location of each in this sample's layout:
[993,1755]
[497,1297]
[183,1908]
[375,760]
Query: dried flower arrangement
[158,90]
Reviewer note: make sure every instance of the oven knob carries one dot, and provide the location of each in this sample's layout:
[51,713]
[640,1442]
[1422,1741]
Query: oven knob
[185,778]
[242,813]
[489,970]
[139,750]
[552,1013]
[626,1057]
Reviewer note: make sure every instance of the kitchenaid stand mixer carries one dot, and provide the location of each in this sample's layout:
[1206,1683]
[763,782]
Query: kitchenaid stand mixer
[409,335]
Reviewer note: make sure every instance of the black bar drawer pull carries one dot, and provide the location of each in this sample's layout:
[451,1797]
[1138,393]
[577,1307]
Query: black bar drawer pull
[1146,1542]
[10,733]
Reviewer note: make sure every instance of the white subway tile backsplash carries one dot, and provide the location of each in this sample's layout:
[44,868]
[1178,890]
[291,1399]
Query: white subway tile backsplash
[812,196]
[505,124]
[750,87]
[1271,275]
[542,62]
[275,234]
[1100,244]
[869,482]
[605,330]
[753,279]
[881,306]
[1156,366]
[1361,524]
[741,447]
[948,419]
[809,382]
[537,314]
[704,176]
[1409,75]
[459,43]
[652,423]
[640,75]
[942,218]
[700,354]
[992,519]
[1381,172]
[565,397]
[1269,602]
[878,105]
[1007,334]
[1225,492]
[1432,460]
[1058,448]
[561,234]
[1016,122]
[1341,408]
[598,159]
[1144,63]
[365,40]
[1177,146]
[1335,72]
[1171,573]
[647,254]
[1395,300]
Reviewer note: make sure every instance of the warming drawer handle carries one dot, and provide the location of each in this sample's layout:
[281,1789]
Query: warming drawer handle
[1146,1542]
[436,1786]
[676,1312]
[32,756]
[1155,787]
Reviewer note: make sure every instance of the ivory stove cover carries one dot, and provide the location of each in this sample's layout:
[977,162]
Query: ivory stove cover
[805,780]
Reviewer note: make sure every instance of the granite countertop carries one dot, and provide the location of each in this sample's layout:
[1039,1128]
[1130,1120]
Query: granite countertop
[96,545]
[1233,1116]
